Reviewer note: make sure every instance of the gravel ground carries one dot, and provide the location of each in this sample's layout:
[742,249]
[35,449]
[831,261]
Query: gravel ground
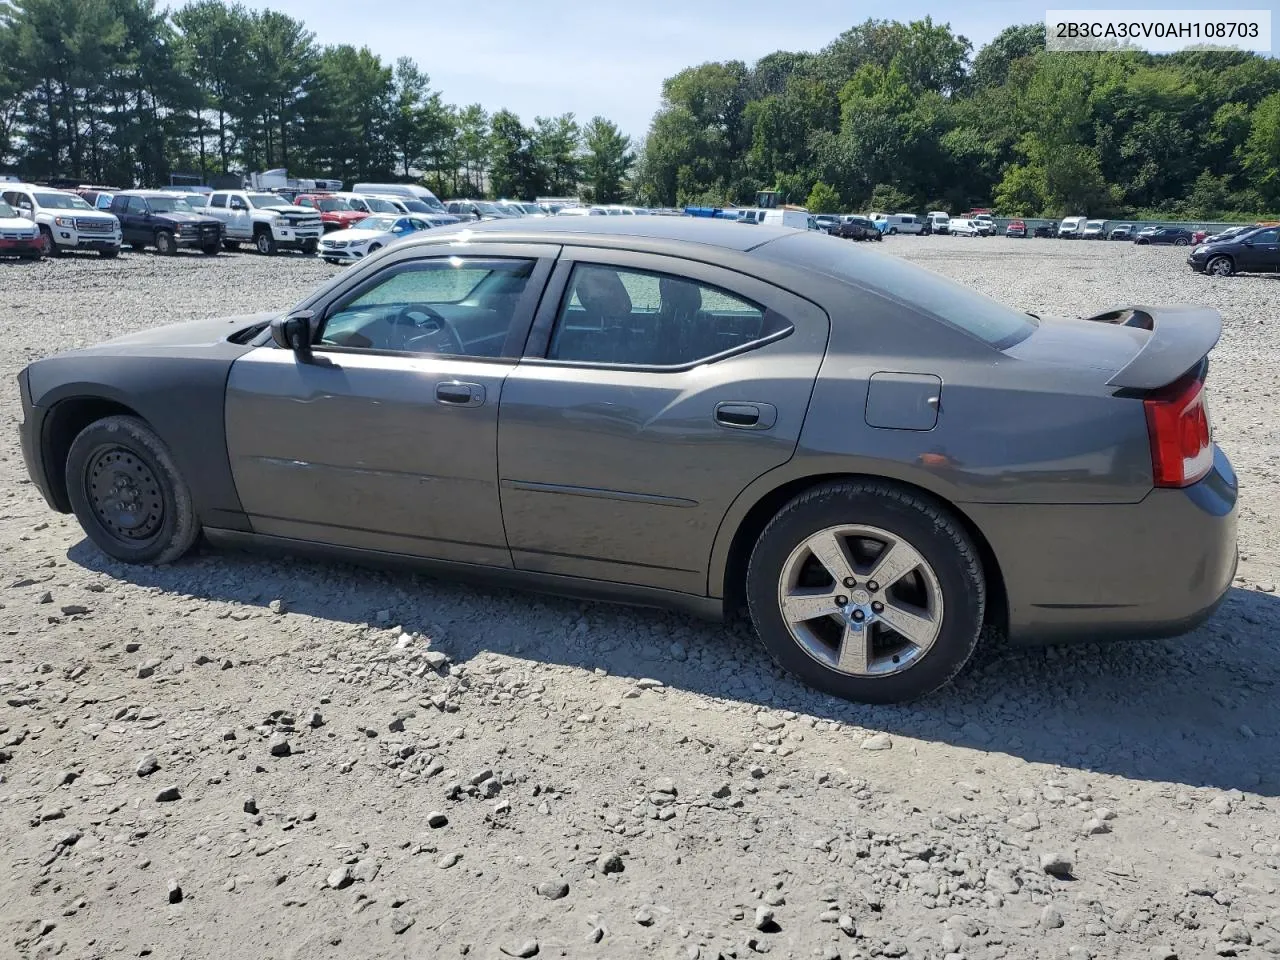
[241,757]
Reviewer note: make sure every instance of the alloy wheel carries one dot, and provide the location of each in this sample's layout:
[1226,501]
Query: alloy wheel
[860,600]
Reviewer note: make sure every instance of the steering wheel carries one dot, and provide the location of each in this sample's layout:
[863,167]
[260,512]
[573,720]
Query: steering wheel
[426,330]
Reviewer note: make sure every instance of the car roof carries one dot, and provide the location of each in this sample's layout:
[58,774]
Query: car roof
[726,234]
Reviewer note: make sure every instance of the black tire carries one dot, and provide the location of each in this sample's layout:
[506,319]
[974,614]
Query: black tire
[1143,242]
[264,242]
[231,245]
[33,257]
[126,448]
[48,247]
[935,535]
[893,231]
[1181,242]
[110,253]
[309,247]
[211,249]
[166,246]
[1220,266]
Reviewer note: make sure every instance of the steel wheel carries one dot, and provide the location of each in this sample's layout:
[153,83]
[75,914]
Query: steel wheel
[124,494]
[860,600]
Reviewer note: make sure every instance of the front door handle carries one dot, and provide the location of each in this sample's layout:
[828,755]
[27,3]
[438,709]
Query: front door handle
[746,415]
[460,394]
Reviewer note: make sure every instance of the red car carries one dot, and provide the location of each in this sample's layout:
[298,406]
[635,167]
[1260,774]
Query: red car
[1016,228]
[19,237]
[335,212]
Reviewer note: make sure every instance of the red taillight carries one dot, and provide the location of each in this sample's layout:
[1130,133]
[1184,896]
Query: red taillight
[1181,440]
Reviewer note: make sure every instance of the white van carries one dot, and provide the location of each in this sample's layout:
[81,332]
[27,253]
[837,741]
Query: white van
[900,222]
[411,190]
[939,221]
[961,227]
[1072,228]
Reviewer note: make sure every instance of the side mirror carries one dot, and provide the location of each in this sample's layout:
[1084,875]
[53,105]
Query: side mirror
[293,332]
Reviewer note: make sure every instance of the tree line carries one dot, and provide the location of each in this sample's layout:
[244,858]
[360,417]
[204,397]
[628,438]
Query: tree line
[887,116]
[125,92]
[892,116]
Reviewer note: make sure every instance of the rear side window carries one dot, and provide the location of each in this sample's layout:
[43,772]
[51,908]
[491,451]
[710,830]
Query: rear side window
[218,200]
[945,300]
[617,315]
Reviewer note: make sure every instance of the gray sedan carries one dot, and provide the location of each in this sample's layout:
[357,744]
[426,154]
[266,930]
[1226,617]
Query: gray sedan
[873,461]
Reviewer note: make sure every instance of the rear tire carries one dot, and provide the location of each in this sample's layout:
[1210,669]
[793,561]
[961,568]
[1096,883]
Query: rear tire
[1181,242]
[127,492]
[938,595]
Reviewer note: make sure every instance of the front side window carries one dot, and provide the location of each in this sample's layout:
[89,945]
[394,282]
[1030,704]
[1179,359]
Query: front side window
[137,205]
[446,306]
[1266,236]
[618,315]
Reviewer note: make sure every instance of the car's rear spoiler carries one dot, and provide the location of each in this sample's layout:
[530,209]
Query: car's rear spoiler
[1180,338]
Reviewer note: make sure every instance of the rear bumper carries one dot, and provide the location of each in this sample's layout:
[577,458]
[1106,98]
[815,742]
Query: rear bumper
[1157,568]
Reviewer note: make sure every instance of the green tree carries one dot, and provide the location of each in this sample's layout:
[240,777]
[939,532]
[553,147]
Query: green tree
[513,169]
[823,199]
[1261,153]
[556,142]
[214,39]
[607,162]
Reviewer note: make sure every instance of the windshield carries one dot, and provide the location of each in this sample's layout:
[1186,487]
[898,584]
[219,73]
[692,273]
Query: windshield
[265,201]
[170,205]
[377,223]
[1095,224]
[378,205]
[415,206]
[332,204]
[947,301]
[61,201]
[491,208]
[7,212]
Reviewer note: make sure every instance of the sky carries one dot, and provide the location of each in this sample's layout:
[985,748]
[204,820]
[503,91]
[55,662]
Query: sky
[610,57]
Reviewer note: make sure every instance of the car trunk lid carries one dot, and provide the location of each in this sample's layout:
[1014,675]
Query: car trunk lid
[1136,348]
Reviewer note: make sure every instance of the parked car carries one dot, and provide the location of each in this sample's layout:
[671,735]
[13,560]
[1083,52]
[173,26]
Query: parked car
[1093,230]
[65,221]
[1072,228]
[870,550]
[336,213]
[166,221]
[369,236]
[413,191]
[1016,228]
[857,228]
[938,221]
[963,227]
[1252,251]
[479,210]
[98,197]
[582,212]
[1123,231]
[1044,231]
[985,223]
[1177,236]
[826,221]
[1230,233]
[267,220]
[19,237]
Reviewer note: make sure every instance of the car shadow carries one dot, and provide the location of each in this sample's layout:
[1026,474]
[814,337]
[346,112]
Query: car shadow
[1198,710]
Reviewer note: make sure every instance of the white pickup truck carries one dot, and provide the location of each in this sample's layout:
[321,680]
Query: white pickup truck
[266,220]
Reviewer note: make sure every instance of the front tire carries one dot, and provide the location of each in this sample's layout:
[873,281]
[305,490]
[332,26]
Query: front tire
[109,254]
[48,247]
[1220,267]
[888,641]
[309,247]
[127,492]
[265,243]
[211,250]
[166,246]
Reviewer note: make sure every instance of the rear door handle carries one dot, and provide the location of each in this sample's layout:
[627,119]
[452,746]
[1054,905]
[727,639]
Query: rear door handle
[746,416]
[460,394]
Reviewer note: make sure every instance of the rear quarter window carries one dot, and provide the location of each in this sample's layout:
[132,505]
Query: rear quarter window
[943,299]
